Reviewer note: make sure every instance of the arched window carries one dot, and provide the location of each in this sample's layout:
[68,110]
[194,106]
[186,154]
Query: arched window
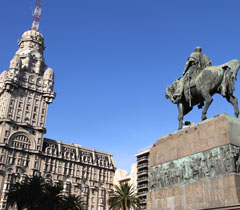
[20,141]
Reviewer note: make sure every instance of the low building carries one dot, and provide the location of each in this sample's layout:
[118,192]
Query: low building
[122,176]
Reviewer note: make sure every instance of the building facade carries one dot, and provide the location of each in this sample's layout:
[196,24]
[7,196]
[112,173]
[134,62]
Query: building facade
[142,176]
[26,90]
[122,176]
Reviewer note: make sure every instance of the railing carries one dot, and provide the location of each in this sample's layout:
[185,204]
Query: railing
[142,192]
[143,201]
[142,165]
[142,172]
[142,158]
[142,185]
[142,178]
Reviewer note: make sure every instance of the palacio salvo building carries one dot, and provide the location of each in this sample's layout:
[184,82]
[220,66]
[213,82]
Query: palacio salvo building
[26,90]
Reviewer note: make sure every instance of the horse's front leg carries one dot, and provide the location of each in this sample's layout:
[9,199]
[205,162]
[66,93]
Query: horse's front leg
[180,115]
[208,98]
[234,101]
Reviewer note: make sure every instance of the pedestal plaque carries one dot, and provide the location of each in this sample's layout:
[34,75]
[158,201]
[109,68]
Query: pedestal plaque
[197,167]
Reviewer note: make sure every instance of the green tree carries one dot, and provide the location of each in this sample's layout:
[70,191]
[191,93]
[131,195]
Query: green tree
[26,194]
[16,196]
[35,186]
[73,202]
[35,194]
[52,198]
[124,198]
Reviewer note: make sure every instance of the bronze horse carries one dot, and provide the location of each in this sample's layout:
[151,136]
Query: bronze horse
[213,79]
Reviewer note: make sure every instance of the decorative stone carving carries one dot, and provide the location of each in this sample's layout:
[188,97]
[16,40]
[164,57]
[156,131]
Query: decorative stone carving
[3,77]
[29,63]
[20,141]
[48,79]
[14,69]
[207,164]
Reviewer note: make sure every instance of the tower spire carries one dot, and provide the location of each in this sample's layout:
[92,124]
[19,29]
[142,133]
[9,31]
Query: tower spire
[36,15]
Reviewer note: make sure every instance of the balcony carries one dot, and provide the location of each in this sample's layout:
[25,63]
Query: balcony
[142,158]
[143,201]
[143,165]
[142,186]
[142,172]
[144,192]
[144,178]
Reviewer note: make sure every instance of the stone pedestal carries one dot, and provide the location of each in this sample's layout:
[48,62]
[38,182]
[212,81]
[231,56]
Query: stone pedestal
[197,167]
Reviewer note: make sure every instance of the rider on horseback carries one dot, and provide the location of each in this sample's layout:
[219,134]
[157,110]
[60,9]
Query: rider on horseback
[200,82]
[196,62]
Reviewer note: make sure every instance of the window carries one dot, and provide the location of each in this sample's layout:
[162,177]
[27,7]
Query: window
[28,107]
[19,112]
[11,110]
[2,158]
[20,104]
[21,141]
[6,133]
[12,102]
[34,116]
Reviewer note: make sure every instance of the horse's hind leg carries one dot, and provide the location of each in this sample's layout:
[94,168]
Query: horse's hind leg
[208,98]
[234,101]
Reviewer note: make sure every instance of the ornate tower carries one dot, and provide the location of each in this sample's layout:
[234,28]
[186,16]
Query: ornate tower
[26,89]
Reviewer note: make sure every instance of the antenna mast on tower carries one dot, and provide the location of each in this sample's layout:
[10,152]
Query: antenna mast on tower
[36,15]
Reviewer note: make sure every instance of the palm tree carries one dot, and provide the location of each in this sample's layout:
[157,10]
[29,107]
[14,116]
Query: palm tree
[73,202]
[26,194]
[35,194]
[16,196]
[35,186]
[124,198]
[52,198]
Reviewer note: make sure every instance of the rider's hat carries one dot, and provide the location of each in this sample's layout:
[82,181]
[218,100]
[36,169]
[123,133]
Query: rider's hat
[198,49]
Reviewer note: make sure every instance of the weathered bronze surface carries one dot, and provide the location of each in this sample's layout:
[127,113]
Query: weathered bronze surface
[218,161]
[200,82]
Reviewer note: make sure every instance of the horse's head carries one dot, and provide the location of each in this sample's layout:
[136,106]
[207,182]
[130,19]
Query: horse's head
[174,92]
[168,92]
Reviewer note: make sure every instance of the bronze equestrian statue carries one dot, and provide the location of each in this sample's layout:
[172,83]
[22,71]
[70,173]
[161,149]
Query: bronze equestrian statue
[200,82]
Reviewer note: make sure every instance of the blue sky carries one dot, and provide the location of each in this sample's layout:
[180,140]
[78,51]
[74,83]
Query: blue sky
[113,60]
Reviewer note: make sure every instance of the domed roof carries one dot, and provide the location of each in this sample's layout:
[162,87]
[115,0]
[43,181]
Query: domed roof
[32,35]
